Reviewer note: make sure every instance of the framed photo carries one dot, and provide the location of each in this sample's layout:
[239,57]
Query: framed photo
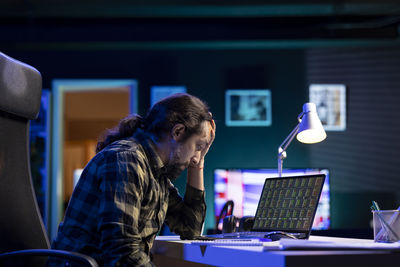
[330,100]
[159,92]
[248,107]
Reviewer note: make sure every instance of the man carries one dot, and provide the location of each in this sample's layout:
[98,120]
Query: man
[125,193]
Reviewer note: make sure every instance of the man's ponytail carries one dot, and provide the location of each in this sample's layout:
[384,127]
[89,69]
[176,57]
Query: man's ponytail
[126,127]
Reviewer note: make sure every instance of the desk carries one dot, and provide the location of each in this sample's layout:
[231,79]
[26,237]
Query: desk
[170,251]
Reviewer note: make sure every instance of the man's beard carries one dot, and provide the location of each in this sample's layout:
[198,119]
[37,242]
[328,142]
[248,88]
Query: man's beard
[175,168]
[173,171]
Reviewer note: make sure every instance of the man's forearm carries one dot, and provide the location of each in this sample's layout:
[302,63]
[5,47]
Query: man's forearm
[186,217]
[195,177]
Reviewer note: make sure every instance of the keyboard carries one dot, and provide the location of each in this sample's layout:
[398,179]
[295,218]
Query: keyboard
[239,235]
[257,235]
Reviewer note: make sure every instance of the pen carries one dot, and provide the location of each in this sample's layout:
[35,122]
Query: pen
[375,205]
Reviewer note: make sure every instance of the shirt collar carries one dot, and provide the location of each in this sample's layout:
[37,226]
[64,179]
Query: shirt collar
[157,166]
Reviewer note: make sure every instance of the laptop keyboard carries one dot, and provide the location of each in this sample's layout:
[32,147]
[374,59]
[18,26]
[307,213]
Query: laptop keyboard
[258,235]
[240,235]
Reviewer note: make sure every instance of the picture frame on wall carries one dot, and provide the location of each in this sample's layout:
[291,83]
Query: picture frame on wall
[248,107]
[330,100]
[158,92]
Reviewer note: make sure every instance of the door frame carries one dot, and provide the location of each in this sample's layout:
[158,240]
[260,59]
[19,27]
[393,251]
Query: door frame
[59,88]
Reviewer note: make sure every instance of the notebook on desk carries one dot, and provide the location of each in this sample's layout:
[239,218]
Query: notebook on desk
[286,207]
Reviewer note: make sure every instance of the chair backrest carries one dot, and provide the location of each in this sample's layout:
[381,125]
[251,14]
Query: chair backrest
[21,225]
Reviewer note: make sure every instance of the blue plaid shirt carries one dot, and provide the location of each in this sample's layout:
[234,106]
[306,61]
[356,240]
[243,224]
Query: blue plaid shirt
[120,203]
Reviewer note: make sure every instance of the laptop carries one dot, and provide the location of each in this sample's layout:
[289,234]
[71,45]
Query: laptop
[286,208]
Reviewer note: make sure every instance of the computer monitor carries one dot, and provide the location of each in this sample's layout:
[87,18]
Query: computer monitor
[244,186]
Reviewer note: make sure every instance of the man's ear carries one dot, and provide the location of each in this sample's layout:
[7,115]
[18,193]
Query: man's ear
[178,131]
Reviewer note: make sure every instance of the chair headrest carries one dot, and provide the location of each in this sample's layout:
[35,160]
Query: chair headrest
[20,88]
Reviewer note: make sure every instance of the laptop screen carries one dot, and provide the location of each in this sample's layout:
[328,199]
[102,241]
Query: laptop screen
[289,203]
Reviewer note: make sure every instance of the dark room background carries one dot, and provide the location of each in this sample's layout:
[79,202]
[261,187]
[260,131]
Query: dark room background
[363,160]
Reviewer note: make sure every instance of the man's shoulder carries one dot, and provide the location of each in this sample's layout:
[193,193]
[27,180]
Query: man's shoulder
[128,147]
[122,145]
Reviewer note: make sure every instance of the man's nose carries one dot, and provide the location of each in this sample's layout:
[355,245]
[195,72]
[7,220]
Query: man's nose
[196,157]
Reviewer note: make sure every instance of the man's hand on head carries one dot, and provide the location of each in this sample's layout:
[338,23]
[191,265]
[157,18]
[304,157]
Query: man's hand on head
[212,130]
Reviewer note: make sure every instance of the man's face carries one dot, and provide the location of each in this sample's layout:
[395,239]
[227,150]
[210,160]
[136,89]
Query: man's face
[188,152]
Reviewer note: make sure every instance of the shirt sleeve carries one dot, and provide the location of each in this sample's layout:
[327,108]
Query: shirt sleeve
[121,186]
[186,216]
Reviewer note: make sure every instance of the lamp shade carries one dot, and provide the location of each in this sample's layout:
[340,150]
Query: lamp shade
[310,128]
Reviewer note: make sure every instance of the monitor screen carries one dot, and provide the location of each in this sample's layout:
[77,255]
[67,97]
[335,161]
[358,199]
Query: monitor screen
[244,186]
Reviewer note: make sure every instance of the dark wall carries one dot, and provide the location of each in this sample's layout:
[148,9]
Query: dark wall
[207,74]
[364,160]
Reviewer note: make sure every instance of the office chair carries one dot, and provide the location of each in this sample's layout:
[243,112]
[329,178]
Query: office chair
[23,238]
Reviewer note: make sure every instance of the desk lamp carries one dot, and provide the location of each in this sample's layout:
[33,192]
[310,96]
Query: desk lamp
[309,130]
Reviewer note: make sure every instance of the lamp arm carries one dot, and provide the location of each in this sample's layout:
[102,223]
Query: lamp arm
[289,138]
[282,148]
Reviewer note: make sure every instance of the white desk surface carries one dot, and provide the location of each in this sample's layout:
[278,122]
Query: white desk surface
[173,247]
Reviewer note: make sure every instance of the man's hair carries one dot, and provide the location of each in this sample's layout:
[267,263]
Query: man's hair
[159,121]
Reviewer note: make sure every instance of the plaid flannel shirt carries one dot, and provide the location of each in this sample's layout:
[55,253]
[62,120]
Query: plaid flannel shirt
[120,203]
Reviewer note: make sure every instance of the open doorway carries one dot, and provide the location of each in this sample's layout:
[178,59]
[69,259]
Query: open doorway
[82,110]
